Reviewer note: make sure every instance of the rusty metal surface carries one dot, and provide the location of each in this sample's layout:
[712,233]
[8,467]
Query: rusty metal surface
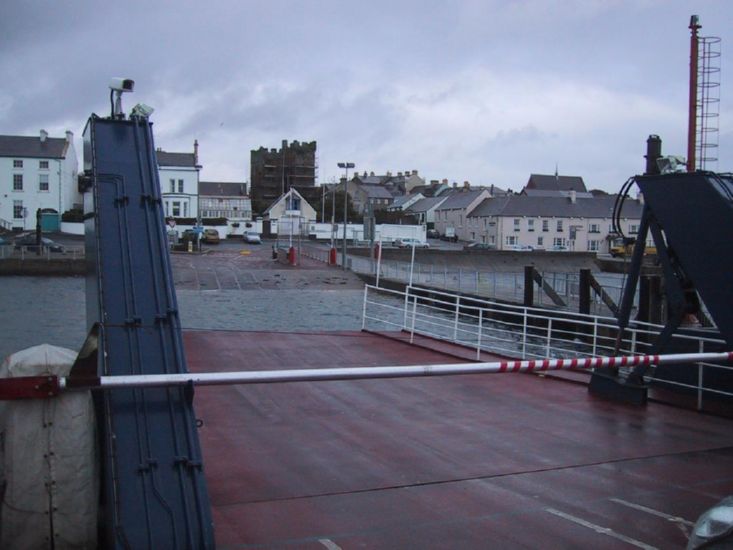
[517,461]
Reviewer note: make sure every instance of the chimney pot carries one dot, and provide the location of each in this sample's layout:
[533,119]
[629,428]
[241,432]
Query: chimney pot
[69,136]
[44,136]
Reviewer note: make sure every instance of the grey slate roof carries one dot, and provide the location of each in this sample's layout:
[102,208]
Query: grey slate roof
[423,205]
[222,189]
[558,207]
[32,147]
[175,159]
[371,180]
[556,183]
[399,201]
[460,199]
[376,192]
[552,193]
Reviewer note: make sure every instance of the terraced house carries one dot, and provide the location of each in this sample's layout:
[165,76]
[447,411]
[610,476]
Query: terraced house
[37,172]
[546,222]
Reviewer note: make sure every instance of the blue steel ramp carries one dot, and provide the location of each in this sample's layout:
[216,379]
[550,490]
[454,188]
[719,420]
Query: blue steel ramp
[695,211]
[154,493]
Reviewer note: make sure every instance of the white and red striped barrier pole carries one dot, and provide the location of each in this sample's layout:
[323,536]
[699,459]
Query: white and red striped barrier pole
[48,386]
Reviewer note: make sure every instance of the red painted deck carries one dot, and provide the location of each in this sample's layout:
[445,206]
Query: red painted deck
[502,461]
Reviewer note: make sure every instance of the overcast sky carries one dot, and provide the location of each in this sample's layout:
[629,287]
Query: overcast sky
[485,91]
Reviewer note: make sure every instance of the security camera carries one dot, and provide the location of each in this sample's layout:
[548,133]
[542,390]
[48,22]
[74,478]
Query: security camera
[122,84]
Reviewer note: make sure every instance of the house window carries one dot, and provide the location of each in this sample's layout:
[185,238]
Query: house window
[559,241]
[473,236]
[545,225]
[176,209]
[633,229]
[18,182]
[173,185]
[43,165]
[594,228]
[559,226]
[511,240]
[530,225]
[17,164]
[185,209]
[43,182]
[180,186]
[517,221]
[540,241]
[593,246]
[492,239]
[18,209]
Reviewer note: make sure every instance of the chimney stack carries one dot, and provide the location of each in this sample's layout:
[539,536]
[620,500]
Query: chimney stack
[44,136]
[573,196]
[196,152]
[69,136]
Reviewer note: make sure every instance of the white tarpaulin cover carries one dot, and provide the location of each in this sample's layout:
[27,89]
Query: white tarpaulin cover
[48,468]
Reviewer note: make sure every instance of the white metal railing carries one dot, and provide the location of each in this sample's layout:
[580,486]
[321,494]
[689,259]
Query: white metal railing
[493,284]
[528,332]
[31,253]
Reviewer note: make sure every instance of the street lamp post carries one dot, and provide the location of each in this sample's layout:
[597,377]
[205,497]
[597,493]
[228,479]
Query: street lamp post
[345,166]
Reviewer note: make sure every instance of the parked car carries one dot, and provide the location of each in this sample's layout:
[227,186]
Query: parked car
[252,237]
[409,242]
[211,236]
[479,246]
[521,248]
[29,241]
[433,234]
[558,248]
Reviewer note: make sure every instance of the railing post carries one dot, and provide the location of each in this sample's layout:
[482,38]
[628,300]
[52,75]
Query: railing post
[480,329]
[407,296]
[595,335]
[414,311]
[363,309]
[634,336]
[455,325]
[549,337]
[700,349]
[524,334]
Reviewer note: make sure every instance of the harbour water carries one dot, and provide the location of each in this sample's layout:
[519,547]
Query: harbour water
[52,310]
